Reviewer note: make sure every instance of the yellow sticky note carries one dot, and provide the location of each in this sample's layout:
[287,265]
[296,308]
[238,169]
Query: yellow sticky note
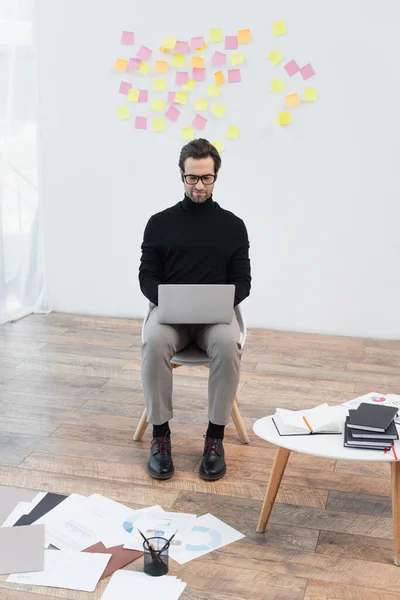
[120,64]
[180,97]
[219,77]
[144,68]
[201,105]
[197,62]
[279,28]
[216,35]
[189,86]
[169,43]
[187,133]
[244,36]
[275,57]
[179,60]
[310,94]
[218,145]
[123,112]
[213,90]
[233,132]
[237,58]
[218,110]
[202,48]
[163,49]
[133,95]
[158,105]
[158,124]
[277,85]
[292,99]
[284,118]
[161,66]
[159,85]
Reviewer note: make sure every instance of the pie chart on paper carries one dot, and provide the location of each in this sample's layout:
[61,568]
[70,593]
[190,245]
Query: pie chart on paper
[204,539]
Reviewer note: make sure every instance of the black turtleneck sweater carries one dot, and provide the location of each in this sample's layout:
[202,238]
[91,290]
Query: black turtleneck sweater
[195,243]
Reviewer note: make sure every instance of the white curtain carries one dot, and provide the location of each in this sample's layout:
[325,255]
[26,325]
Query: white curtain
[22,276]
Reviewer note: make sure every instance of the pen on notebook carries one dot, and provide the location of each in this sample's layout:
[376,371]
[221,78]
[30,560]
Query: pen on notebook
[308,424]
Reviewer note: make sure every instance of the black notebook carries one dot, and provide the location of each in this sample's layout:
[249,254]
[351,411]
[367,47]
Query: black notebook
[372,417]
[364,444]
[390,434]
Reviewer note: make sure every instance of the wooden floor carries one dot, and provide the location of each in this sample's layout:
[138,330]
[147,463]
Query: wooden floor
[70,398]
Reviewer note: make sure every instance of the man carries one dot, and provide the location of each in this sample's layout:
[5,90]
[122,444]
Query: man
[195,241]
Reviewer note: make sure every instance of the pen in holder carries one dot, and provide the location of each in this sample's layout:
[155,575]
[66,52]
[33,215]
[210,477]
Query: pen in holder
[156,556]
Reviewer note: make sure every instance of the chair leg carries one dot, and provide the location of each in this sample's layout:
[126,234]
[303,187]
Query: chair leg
[237,420]
[141,428]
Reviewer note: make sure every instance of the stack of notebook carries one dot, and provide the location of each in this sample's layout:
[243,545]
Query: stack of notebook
[371,427]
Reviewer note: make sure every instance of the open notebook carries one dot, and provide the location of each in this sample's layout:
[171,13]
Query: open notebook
[320,419]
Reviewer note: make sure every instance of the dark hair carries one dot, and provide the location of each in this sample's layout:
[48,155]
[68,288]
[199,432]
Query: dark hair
[199,148]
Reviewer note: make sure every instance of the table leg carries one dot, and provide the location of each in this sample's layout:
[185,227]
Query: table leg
[280,462]
[395,467]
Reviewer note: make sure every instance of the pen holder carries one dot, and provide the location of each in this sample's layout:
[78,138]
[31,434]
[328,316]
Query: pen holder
[156,556]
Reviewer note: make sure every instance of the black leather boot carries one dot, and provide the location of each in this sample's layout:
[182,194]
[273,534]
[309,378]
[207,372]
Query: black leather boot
[213,464]
[160,465]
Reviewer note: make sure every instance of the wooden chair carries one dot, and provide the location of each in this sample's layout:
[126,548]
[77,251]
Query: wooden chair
[193,356]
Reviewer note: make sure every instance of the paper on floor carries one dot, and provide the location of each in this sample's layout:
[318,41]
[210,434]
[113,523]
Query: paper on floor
[22,508]
[164,525]
[126,585]
[21,549]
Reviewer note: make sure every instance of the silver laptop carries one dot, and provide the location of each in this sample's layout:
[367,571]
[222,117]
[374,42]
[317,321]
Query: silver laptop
[195,303]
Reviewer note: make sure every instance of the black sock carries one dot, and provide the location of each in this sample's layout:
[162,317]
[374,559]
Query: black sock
[215,431]
[161,430]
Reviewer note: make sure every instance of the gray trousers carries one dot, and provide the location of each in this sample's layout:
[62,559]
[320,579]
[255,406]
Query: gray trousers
[160,342]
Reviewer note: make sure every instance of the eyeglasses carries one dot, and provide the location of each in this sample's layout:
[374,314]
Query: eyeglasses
[193,179]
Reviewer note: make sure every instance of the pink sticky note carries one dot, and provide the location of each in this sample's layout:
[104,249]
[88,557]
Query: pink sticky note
[144,53]
[128,37]
[181,77]
[198,74]
[171,97]
[181,47]
[197,42]
[143,95]
[124,87]
[234,75]
[219,58]
[199,122]
[140,123]
[307,71]
[172,113]
[134,64]
[292,68]
[231,42]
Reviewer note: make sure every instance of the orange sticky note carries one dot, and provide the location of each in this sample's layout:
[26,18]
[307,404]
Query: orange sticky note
[219,77]
[120,64]
[244,36]
[197,62]
[161,66]
[292,99]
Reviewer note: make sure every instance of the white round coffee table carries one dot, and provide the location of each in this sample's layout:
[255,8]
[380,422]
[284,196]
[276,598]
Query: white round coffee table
[325,446]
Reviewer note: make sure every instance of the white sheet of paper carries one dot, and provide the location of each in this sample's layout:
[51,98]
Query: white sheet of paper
[22,508]
[119,527]
[70,506]
[125,585]
[71,570]
[208,533]
[376,398]
[161,525]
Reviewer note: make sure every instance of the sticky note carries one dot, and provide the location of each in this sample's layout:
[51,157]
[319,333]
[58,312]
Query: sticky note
[231,42]
[244,36]
[292,68]
[284,118]
[218,145]
[307,71]
[144,53]
[169,43]
[187,133]
[234,75]
[197,42]
[120,64]
[140,123]
[279,28]
[201,105]
[181,47]
[158,105]
[144,68]
[133,95]
[172,113]
[275,57]
[128,37]
[310,94]
[189,86]
[134,64]
[143,95]
[216,35]
[199,122]
[171,97]
[219,59]
[233,132]
[124,87]
[218,110]
[123,112]
[161,66]
[213,90]
[237,58]
[203,47]
[198,74]
[181,77]
[179,60]
[277,85]
[159,85]
[197,61]
[219,77]
[180,98]
[292,99]
[162,49]
[158,124]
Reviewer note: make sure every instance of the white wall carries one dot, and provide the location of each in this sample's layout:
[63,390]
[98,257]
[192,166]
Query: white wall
[320,198]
